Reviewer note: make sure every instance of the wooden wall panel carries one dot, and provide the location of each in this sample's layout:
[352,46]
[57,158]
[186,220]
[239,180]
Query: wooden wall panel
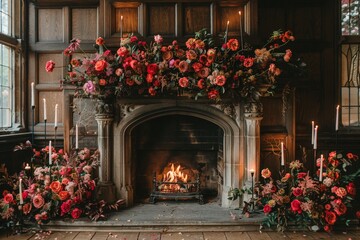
[231,14]
[161,19]
[130,21]
[306,31]
[57,74]
[84,24]
[50,25]
[52,98]
[273,112]
[196,17]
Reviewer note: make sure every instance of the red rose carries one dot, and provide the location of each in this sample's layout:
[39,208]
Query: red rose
[122,52]
[76,213]
[8,198]
[56,186]
[358,214]
[267,209]
[330,217]
[327,228]
[183,82]
[233,44]
[25,194]
[297,192]
[340,192]
[50,65]
[248,62]
[63,195]
[295,206]
[149,78]
[152,68]
[220,80]
[152,91]
[301,174]
[197,66]
[100,41]
[351,189]
[65,207]
[100,65]
[341,209]
[133,39]
[102,82]
[327,207]
[213,94]
[201,83]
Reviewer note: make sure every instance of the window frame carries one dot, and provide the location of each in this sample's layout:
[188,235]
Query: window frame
[15,41]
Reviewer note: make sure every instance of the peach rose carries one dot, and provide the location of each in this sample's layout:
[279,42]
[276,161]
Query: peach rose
[56,186]
[265,173]
[100,65]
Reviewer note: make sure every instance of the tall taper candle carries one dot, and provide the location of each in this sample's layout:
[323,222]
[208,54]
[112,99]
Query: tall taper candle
[56,116]
[20,191]
[32,94]
[45,117]
[337,118]
[241,32]
[76,137]
[282,154]
[312,131]
[226,31]
[121,28]
[50,153]
[321,167]
[315,136]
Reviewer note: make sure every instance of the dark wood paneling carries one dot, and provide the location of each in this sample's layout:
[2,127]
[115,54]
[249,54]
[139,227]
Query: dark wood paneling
[50,25]
[196,17]
[130,22]
[84,24]
[161,19]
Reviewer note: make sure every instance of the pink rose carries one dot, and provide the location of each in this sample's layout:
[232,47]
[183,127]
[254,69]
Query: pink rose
[38,201]
[341,192]
[158,39]
[89,87]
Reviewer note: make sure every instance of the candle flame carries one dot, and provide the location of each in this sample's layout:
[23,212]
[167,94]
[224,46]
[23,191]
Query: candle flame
[252,170]
[121,17]
[228,22]
[240,13]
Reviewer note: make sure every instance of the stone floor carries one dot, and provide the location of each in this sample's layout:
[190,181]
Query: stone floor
[173,221]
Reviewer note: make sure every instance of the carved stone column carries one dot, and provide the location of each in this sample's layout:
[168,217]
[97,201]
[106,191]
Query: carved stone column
[104,118]
[253,116]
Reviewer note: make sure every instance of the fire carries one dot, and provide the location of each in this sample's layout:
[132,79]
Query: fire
[173,180]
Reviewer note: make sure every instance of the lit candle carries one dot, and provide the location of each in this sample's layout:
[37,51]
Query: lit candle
[76,137]
[32,94]
[252,171]
[321,167]
[45,117]
[312,131]
[50,153]
[226,31]
[56,116]
[241,35]
[337,118]
[20,192]
[282,154]
[315,136]
[121,26]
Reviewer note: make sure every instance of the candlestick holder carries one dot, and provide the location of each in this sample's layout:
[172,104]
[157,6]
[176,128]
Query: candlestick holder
[33,123]
[252,200]
[315,158]
[19,226]
[45,128]
[55,130]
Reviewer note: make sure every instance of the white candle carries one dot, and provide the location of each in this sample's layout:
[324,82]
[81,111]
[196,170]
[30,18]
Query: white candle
[321,167]
[252,171]
[312,131]
[315,137]
[32,94]
[20,192]
[337,118]
[76,137]
[45,117]
[241,35]
[282,154]
[50,153]
[121,26]
[226,31]
[56,117]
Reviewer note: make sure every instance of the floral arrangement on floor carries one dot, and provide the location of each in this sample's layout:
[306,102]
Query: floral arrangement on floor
[56,187]
[301,199]
[201,69]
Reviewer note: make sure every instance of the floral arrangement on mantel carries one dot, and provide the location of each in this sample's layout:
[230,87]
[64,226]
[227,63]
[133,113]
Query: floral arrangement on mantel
[54,187]
[297,198]
[201,69]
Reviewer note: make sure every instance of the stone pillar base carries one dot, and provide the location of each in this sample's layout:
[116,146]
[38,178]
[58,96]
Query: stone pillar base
[106,192]
[127,193]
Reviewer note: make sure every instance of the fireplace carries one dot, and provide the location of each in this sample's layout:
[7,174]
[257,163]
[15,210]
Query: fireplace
[176,148]
[218,141]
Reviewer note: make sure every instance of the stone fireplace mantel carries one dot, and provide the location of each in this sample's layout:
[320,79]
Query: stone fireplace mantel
[240,139]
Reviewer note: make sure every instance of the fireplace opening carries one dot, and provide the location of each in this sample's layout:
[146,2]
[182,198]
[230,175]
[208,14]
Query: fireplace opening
[176,152]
